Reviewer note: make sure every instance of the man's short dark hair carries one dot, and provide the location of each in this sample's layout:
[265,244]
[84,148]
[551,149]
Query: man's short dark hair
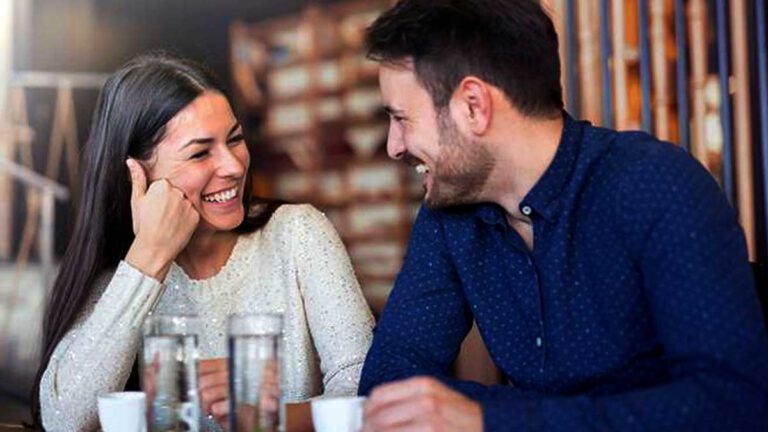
[511,44]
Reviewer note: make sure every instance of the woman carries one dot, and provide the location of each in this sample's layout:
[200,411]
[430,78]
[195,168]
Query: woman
[185,236]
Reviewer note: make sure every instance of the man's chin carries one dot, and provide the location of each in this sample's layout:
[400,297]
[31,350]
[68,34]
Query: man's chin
[436,202]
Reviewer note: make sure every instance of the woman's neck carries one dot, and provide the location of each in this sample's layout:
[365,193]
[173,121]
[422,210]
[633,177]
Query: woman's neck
[206,253]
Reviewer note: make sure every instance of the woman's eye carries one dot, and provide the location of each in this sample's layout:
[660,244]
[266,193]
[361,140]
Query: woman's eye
[200,154]
[236,139]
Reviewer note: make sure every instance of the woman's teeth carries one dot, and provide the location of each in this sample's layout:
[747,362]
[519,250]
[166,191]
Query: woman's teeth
[221,196]
[422,168]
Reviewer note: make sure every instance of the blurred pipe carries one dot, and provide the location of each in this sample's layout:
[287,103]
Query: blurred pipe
[6,133]
[46,239]
[645,65]
[557,10]
[32,179]
[661,95]
[697,17]
[681,77]
[560,10]
[606,59]
[589,61]
[742,126]
[762,85]
[6,53]
[38,79]
[572,97]
[620,65]
[723,62]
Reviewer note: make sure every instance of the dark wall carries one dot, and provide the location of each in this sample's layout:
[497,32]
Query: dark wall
[100,35]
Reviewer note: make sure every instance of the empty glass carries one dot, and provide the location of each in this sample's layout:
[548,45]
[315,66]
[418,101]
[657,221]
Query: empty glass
[169,373]
[255,356]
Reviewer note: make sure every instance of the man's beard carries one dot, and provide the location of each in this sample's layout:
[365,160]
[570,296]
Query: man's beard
[461,170]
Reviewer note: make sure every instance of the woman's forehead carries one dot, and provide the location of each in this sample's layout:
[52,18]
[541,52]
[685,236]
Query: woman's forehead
[208,114]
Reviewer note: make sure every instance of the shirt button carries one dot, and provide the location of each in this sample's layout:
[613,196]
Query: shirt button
[526,210]
[538,342]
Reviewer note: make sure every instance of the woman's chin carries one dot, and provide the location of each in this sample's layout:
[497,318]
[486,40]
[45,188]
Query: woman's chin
[218,223]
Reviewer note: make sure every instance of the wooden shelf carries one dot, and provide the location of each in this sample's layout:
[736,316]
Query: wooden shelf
[340,179]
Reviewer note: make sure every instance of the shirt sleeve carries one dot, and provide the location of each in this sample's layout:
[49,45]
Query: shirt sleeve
[691,253]
[97,354]
[338,315]
[426,317]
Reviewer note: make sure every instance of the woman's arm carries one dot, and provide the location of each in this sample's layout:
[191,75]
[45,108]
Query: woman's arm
[97,354]
[339,318]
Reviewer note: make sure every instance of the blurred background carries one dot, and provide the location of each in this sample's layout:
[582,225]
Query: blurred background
[692,72]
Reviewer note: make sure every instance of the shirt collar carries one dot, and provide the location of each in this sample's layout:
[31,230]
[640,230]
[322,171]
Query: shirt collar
[490,213]
[543,198]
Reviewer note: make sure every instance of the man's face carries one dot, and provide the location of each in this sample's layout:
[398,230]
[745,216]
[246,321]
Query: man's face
[454,167]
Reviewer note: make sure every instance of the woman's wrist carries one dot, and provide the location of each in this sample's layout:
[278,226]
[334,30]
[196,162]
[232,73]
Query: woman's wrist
[149,260]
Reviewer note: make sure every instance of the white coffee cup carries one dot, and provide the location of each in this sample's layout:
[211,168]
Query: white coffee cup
[123,412]
[343,414]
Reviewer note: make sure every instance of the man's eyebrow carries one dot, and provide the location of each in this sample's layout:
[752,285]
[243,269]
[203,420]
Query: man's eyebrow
[392,111]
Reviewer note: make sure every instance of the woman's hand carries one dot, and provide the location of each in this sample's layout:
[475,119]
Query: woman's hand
[213,385]
[264,413]
[163,222]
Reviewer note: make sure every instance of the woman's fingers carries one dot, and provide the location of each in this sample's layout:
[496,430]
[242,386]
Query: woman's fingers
[213,384]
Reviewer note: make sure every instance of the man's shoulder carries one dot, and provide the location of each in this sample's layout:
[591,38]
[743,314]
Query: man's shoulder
[640,150]
[651,177]
[636,159]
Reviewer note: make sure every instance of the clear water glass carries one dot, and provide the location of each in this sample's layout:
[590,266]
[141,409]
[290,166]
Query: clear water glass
[169,372]
[255,366]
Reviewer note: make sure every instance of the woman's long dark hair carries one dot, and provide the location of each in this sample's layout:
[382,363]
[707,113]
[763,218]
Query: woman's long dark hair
[131,113]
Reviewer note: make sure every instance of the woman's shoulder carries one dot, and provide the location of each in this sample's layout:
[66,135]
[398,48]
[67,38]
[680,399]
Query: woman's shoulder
[290,217]
[292,223]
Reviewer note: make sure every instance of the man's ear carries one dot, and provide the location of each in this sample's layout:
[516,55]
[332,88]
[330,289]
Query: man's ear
[472,105]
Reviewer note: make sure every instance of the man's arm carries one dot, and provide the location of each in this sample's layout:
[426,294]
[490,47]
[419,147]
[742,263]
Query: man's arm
[692,256]
[426,317]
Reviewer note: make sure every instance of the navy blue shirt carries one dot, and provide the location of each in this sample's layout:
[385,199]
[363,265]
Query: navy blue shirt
[635,310]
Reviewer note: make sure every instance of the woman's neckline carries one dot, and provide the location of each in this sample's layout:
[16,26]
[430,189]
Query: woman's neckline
[234,253]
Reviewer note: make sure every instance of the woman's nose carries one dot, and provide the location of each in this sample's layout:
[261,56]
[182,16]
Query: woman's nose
[229,164]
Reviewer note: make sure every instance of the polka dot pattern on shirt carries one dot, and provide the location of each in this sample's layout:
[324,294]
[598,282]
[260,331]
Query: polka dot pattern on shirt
[635,310]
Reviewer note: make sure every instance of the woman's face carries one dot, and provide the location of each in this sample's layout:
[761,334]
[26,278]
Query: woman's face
[203,153]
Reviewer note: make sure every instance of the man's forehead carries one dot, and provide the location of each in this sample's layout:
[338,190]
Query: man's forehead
[399,85]
[406,97]
[399,69]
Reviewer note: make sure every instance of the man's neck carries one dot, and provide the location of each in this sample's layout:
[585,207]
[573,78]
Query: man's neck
[524,151]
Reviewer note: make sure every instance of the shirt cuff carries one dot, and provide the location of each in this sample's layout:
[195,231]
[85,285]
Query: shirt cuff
[509,414]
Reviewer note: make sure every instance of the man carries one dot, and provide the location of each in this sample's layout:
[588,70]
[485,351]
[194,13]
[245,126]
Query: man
[606,272]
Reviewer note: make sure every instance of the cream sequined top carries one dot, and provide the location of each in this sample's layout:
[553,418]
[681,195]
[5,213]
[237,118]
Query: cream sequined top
[295,265]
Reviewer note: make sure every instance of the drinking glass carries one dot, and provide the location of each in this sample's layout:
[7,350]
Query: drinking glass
[169,373]
[255,356]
